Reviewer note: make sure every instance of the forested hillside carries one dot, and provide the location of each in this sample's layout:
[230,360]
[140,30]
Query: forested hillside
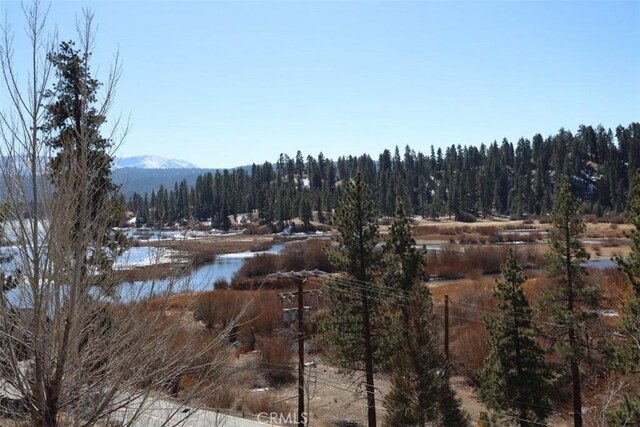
[502,178]
[137,180]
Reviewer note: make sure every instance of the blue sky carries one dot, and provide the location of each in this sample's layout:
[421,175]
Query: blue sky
[223,84]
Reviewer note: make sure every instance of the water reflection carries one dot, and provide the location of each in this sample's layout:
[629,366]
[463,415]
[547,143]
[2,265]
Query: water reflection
[200,279]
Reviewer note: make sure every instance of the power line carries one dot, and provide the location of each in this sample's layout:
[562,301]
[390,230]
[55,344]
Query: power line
[404,296]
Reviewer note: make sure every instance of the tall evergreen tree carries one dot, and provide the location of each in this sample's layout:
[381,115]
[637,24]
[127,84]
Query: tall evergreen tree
[515,380]
[81,162]
[573,301]
[351,328]
[403,263]
[628,413]
[420,391]
[305,210]
[75,122]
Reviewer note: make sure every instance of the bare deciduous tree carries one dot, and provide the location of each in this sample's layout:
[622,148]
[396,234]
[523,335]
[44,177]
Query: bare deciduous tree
[70,353]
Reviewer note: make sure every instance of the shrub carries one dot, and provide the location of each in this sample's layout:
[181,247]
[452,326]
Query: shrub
[259,265]
[488,260]
[445,263]
[275,357]
[252,228]
[257,229]
[469,347]
[221,284]
[292,257]
[544,219]
[315,258]
[619,219]
[296,256]
[453,263]
[201,257]
[490,231]
[223,397]
[590,218]
[217,309]
[257,311]
[530,256]
[264,313]
[465,217]
[613,286]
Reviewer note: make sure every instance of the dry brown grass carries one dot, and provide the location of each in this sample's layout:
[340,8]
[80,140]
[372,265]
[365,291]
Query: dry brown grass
[216,245]
[474,261]
[455,288]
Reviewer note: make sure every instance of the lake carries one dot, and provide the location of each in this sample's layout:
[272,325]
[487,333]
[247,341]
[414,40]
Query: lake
[201,279]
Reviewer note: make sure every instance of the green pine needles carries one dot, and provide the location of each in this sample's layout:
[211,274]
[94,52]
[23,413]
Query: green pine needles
[420,391]
[628,412]
[573,302]
[515,379]
[355,328]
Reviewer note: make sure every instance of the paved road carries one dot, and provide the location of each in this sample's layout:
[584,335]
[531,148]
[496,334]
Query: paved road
[162,413]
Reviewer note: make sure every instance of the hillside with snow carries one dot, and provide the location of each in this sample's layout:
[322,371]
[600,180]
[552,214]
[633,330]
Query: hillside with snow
[152,162]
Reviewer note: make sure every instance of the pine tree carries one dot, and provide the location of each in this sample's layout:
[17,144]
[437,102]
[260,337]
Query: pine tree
[403,263]
[515,379]
[628,413]
[305,210]
[353,323]
[572,302]
[420,391]
[81,161]
[321,217]
[75,123]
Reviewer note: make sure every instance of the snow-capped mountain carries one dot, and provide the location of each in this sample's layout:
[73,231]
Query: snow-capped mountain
[152,162]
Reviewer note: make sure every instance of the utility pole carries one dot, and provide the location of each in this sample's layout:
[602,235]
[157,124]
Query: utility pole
[301,312]
[446,326]
[301,354]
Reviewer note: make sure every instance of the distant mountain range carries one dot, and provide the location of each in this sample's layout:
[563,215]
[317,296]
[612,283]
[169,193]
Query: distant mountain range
[143,174]
[139,180]
[152,162]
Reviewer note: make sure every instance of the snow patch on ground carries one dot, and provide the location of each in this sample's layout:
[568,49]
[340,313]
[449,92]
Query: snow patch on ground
[149,235]
[276,249]
[143,256]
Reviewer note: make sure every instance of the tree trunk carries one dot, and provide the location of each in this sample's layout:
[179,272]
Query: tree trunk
[575,378]
[575,370]
[368,360]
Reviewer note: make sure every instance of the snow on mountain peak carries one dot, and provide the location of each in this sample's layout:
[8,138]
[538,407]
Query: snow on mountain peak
[152,162]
